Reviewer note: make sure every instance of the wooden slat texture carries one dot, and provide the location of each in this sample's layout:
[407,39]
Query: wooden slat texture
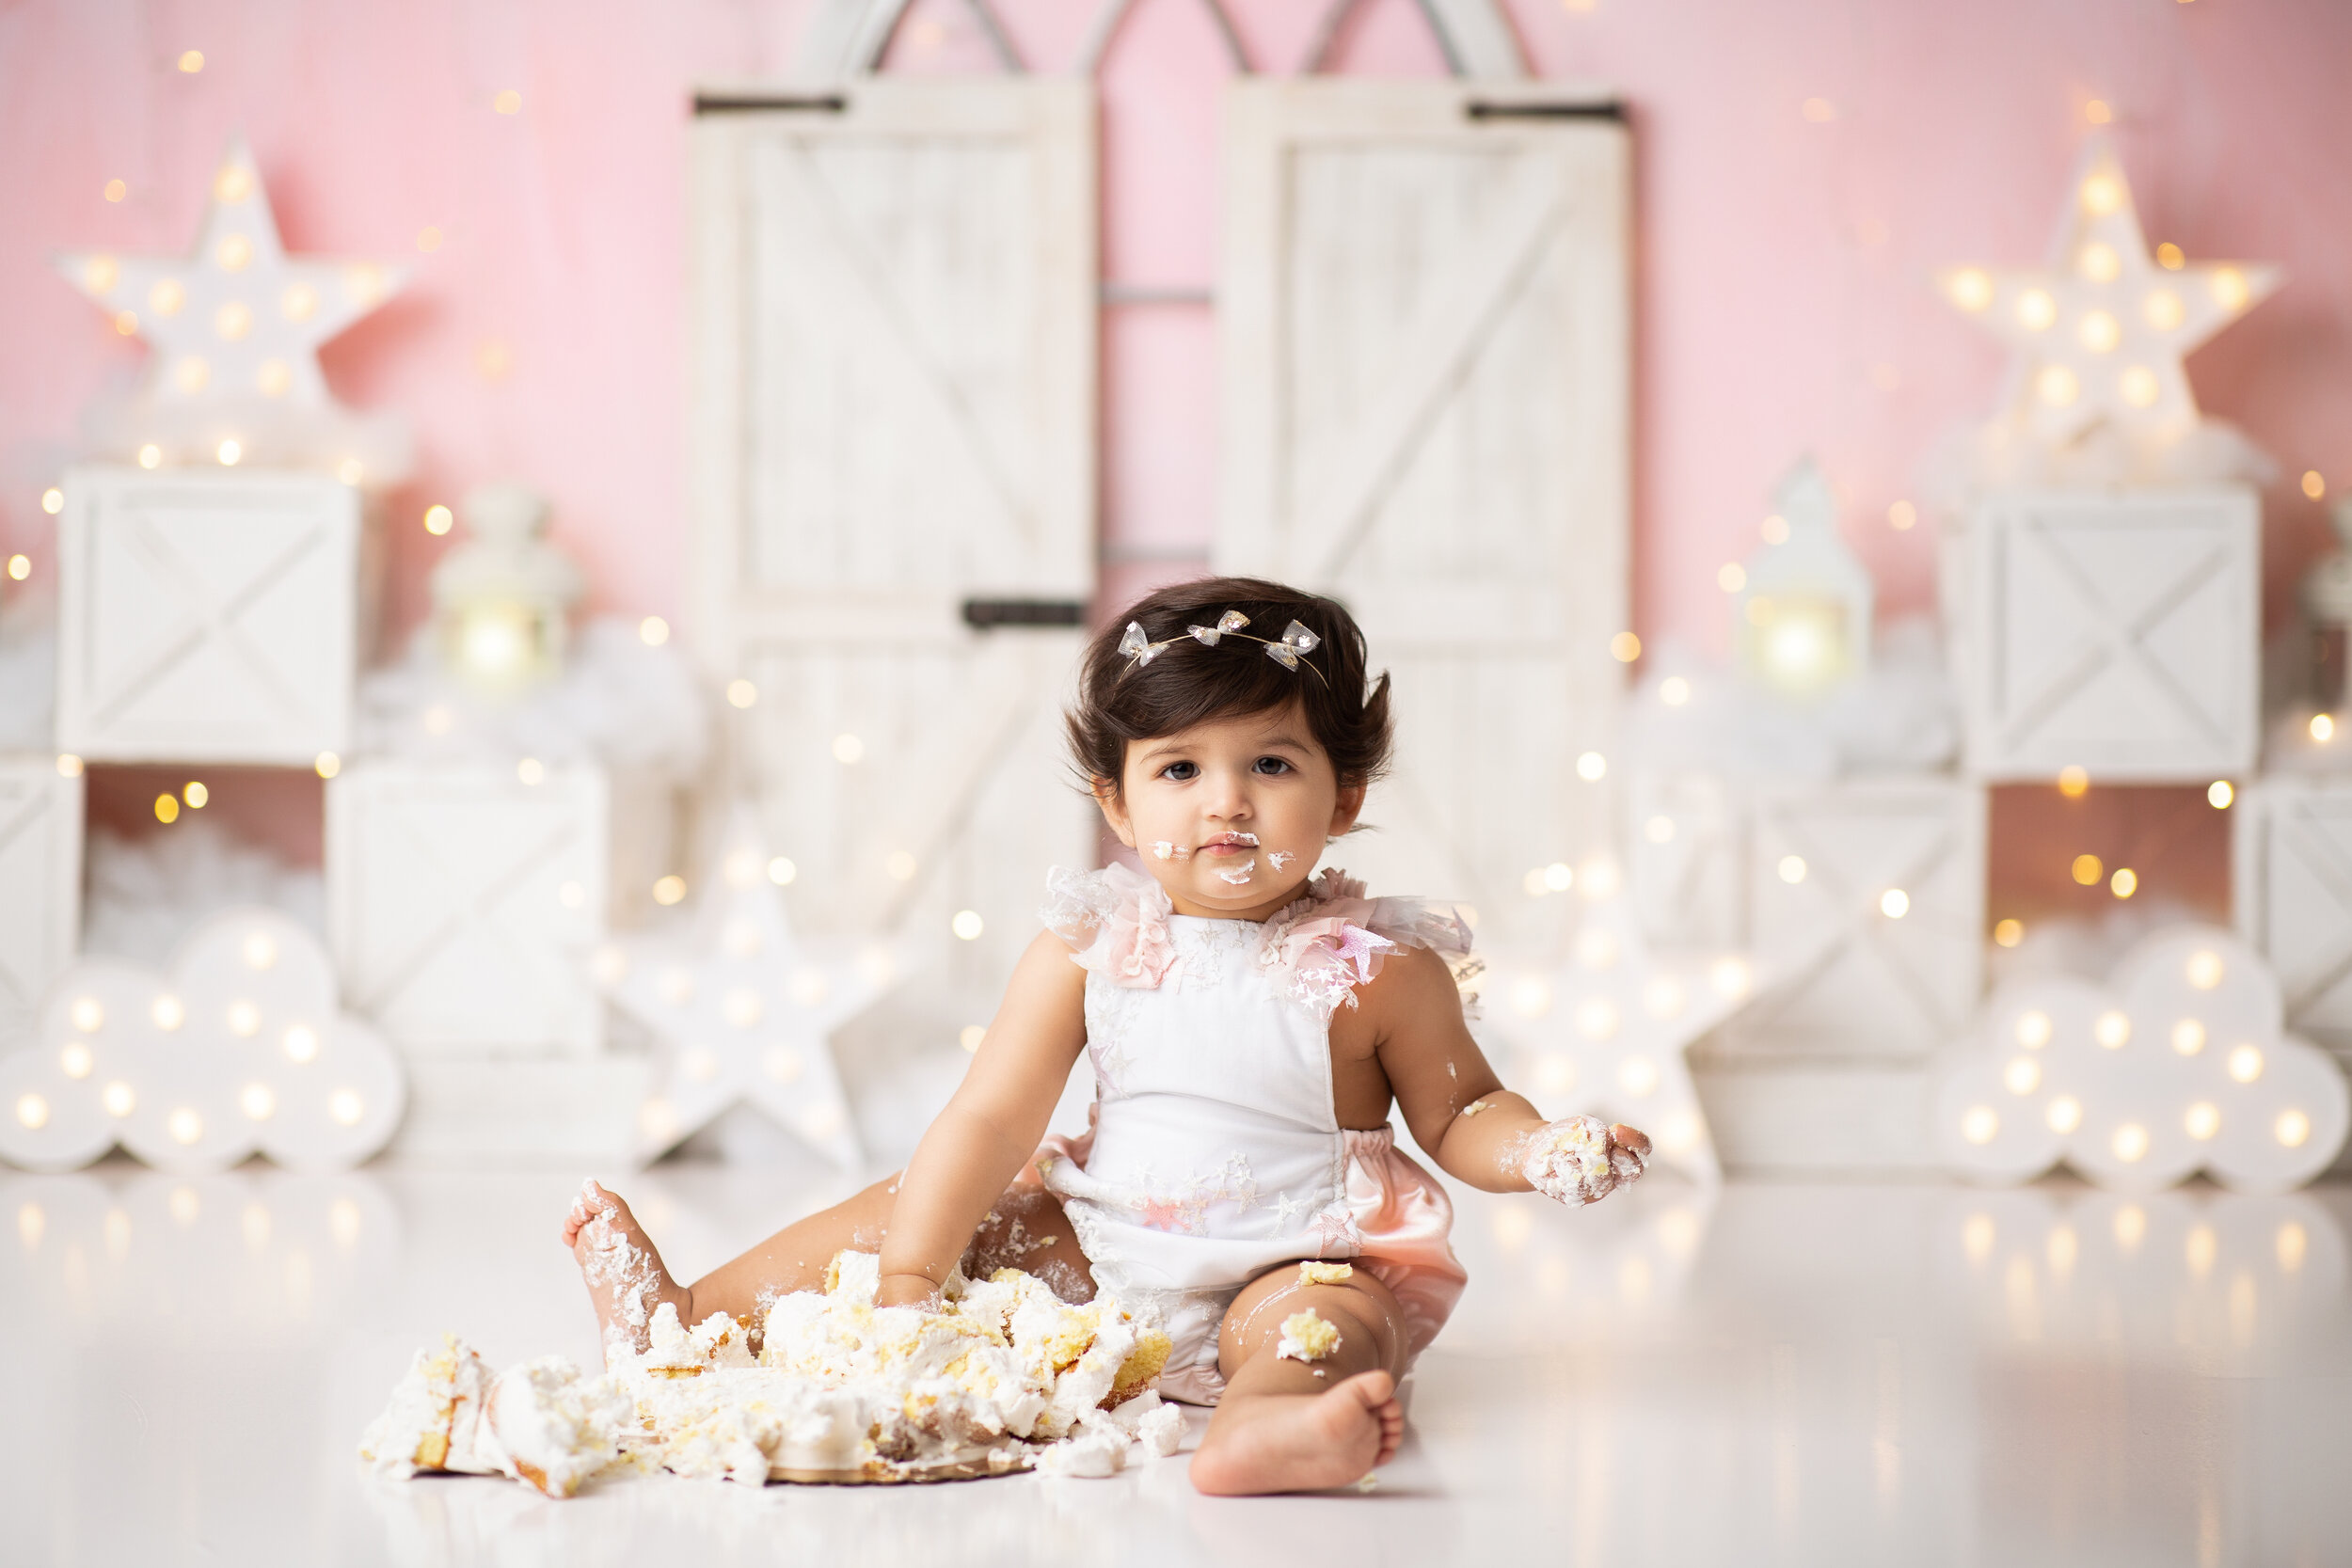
[1424,322]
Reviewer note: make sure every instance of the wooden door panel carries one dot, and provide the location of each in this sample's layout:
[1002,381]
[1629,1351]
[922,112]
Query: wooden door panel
[1425,316]
[896,374]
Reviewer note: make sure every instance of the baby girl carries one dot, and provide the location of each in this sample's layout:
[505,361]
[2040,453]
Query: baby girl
[1249,1026]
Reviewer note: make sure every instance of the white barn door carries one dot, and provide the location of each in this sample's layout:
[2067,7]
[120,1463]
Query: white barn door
[1426,315]
[895,507]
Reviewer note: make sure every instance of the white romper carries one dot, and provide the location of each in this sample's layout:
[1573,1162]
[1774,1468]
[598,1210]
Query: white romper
[1215,1153]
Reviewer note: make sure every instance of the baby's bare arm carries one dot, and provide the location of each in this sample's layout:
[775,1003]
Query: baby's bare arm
[990,1129]
[1455,1107]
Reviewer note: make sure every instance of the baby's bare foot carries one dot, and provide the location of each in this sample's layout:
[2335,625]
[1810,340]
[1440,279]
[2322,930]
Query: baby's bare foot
[624,1274]
[1303,1442]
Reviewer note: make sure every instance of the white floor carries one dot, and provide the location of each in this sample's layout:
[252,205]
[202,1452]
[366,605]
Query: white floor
[1914,1375]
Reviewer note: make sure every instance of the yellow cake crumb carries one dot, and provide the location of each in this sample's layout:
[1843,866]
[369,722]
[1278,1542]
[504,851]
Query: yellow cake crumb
[1306,1335]
[1142,1364]
[1312,1272]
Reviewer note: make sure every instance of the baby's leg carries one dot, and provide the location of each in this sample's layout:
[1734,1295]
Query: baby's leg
[1287,1425]
[627,1280]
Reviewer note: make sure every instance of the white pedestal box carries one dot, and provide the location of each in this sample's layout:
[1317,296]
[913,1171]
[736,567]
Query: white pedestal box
[40,884]
[462,903]
[2291,896]
[1688,858]
[560,1112]
[206,615]
[2115,631]
[1866,918]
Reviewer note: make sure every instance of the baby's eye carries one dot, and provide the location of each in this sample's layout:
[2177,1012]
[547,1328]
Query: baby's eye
[1271,765]
[1181,772]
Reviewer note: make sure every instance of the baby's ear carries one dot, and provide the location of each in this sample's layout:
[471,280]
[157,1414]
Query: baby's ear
[1344,810]
[1114,809]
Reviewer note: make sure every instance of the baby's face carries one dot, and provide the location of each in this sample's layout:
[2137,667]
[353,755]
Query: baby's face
[1229,816]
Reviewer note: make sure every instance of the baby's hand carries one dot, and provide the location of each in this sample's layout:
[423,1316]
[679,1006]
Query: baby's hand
[1582,1159]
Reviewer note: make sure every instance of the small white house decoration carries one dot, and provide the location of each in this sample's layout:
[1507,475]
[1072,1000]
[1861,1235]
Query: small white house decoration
[242,1045]
[2177,1065]
[1804,613]
[461,900]
[2291,895]
[742,1011]
[40,882]
[206,615]
[1866,909]
[2114,631]
[502,600]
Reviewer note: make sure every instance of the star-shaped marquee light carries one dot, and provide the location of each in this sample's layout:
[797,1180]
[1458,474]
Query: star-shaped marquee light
[742,1011]
[1605,1031]
[2101,330]
[235,326]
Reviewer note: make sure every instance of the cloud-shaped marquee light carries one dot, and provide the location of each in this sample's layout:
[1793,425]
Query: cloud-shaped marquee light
[242,1046]
[2179,1064]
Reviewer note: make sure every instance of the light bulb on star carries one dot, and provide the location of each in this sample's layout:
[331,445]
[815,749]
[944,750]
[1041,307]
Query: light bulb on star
[743,1010]
[2100,331]
[1604,1032]
[235,328]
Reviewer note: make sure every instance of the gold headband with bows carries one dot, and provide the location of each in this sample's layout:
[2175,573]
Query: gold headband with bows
[1297,639]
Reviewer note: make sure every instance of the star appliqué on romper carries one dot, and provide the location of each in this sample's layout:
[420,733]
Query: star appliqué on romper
[1286,1208]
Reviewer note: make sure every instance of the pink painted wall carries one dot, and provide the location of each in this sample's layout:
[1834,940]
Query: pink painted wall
[1783,299]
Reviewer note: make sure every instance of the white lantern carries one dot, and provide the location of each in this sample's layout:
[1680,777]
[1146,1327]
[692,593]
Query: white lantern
[1804,604]
[501,601]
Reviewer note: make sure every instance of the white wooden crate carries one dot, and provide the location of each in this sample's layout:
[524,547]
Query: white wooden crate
[40,883]
[1687,850]
[2113,631]
[2291,896]
[523,1112]
[206,616]
[461,903]
[1843,976]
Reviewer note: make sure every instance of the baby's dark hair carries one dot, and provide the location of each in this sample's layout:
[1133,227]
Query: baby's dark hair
[1190,683]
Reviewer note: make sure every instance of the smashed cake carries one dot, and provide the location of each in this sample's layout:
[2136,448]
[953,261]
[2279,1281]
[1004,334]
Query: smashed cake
[1001,1375]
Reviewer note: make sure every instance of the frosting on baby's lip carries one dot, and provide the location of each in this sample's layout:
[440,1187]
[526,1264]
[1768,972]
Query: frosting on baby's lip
[1230,844]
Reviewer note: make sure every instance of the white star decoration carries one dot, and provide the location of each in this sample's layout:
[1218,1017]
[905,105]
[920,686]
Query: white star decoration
[2100,332]
[743,1012]
[1605,1031]
[235,326]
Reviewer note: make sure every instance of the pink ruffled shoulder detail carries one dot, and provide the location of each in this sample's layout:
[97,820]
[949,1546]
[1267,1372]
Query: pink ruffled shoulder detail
[1333,940]
[1115,921]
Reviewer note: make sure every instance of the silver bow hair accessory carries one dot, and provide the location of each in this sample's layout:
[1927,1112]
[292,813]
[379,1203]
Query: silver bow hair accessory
[1139,649]
[1297,639]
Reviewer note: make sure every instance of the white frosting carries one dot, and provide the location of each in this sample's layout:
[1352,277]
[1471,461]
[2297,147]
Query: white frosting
[1574,1161]
[1000,1375]
[553,1429]
[1306,1335]
[433,1420]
